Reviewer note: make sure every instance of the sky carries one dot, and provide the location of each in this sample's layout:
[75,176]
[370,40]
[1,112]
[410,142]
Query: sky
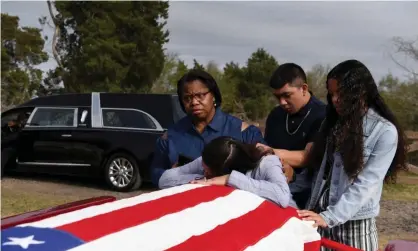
[306,33]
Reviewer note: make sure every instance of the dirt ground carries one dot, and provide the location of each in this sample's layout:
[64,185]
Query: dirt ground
[398,218]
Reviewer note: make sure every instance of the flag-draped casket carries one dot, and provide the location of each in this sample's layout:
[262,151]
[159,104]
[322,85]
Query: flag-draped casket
[188,217]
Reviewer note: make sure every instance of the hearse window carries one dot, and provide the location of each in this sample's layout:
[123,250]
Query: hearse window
[127,118]
[54,117]
[15,117]
[14,121]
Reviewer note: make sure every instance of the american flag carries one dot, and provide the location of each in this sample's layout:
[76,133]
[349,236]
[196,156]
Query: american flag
[189,217]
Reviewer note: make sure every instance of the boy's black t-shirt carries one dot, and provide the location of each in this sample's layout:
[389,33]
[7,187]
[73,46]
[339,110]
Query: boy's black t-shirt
[276,135]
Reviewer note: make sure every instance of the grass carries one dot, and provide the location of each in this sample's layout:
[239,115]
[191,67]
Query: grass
[411,174]
[16,202]
[400,191]
[28,201]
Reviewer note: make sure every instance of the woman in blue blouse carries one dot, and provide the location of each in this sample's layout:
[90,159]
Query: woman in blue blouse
[200,99]
[360,145]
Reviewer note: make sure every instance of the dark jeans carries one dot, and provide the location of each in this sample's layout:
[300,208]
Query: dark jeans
[301,198]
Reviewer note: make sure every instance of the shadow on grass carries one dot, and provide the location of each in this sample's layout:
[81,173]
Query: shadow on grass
[82,182]
[27,192]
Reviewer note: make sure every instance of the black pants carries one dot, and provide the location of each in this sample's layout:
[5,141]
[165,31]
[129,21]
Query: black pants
[7,155]
[301,198]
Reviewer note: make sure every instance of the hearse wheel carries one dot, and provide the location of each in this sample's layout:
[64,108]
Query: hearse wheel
[122,173]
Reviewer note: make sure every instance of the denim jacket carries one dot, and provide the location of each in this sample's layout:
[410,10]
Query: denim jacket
[355,199]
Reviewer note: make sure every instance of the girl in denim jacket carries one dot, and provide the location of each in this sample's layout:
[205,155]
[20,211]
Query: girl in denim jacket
[360,146]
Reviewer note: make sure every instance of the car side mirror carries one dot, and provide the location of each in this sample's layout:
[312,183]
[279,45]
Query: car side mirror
[84,116]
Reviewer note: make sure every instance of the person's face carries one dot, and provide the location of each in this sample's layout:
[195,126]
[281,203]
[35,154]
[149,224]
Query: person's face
[291,96]
[198,101]
[332,86]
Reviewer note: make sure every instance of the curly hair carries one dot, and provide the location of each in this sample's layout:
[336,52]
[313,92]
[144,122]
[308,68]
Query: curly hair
[343,131]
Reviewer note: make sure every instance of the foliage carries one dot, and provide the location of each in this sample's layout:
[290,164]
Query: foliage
[253,85]
[22,49]
[246,93]
[118,47]
[316,78]
[173,70]
[109,46]
[402,98]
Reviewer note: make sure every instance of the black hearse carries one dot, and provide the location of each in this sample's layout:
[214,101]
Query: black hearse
[110,135]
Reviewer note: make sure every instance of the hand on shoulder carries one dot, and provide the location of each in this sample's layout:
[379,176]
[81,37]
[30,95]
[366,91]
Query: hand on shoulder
[244,126]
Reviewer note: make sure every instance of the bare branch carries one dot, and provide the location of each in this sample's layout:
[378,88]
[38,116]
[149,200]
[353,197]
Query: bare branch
[408,70]
[240,111]
[409,49]
[57,32]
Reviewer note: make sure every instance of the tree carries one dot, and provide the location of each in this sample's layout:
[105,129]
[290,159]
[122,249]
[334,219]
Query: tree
[316,79]
[109,46]
[173,70]
[22,49]
[402,98]
[409,49]
[253,88]
[231,103]
[197,65]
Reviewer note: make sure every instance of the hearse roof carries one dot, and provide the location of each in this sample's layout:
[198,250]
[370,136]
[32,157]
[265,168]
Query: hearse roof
[70,99]
[161,106]
[116,100]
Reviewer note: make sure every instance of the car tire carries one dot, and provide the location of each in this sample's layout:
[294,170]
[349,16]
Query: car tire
[122,173]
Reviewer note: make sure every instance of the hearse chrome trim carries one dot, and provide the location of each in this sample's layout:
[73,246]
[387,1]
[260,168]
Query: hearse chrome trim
[96,111]
[84,114]
[50,164]
[157,124]
[29,121]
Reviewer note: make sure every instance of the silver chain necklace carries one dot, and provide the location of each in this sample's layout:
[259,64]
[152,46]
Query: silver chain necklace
[287,123]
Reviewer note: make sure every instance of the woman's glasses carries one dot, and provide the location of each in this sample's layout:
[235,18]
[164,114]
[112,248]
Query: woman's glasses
[200,96]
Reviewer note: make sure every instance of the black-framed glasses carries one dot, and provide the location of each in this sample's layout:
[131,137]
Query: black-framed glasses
[200,96]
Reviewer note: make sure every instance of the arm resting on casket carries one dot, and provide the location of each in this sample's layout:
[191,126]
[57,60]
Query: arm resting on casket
[181,175]
[272,184]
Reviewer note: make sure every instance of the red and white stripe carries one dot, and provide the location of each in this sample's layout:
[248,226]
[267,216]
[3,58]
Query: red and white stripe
[189,217]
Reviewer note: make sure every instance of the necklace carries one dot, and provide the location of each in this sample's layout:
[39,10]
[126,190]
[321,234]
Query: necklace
[287,123]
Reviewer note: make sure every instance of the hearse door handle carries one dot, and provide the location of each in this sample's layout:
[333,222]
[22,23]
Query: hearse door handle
[66,135]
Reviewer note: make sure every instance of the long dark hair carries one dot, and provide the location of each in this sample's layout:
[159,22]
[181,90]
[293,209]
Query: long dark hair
[225,154]
[344,132]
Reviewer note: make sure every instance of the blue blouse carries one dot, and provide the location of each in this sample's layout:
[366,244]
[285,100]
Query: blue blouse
[183,139]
